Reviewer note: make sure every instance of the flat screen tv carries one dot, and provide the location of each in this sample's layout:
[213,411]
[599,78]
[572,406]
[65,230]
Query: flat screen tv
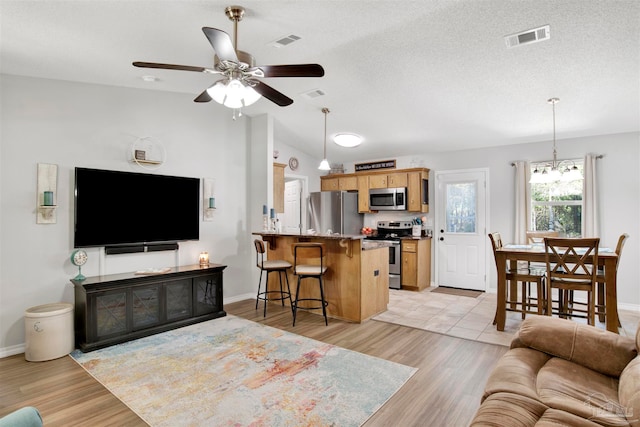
[125,208]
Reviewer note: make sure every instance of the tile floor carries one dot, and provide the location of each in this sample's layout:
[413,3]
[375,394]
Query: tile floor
[465,317]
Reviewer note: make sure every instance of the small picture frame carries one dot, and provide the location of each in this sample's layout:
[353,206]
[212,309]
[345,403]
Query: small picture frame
[140,155]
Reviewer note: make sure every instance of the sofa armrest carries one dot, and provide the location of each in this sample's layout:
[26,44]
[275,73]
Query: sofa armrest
[23,417]
[596,349]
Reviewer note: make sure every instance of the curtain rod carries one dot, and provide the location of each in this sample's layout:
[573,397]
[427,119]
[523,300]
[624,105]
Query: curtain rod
[599,156]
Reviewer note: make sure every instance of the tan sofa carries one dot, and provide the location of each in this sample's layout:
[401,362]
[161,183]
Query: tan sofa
[561,373]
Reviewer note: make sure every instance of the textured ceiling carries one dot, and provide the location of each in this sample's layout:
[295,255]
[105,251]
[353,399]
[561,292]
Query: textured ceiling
[410,76]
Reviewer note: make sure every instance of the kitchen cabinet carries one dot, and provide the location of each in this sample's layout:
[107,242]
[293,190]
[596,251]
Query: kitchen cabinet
[346,183]
[415,273]
[392,180]
[416,180]
[396,180]
[363,194]
[278,187]
[378,181]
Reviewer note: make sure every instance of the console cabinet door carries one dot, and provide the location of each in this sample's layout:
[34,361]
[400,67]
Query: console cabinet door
[178,299]
[109,312]
[208,293]
[145,303]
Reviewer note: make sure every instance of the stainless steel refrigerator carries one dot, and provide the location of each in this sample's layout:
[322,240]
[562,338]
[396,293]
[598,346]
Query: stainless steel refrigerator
[336,211]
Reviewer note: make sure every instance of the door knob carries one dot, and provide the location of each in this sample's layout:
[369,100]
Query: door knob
[442,231]
[441,239]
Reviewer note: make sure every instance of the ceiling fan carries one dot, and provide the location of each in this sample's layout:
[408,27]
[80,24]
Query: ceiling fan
[240,85]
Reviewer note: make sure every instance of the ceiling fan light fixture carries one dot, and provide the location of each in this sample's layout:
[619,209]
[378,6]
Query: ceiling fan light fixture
[233,93]
[347,140]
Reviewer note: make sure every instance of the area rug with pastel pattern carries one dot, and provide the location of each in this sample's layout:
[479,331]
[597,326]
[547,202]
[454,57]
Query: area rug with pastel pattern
[233,372]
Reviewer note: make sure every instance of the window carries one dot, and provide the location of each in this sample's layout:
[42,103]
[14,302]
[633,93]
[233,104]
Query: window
[557,205]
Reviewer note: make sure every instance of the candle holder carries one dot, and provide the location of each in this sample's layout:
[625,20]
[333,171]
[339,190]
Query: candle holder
[265,222]
[204,259]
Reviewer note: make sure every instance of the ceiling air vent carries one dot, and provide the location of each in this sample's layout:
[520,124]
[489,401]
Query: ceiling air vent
[529,36]
[313,93]
[284,41]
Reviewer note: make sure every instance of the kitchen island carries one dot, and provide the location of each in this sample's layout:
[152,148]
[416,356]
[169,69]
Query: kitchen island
[356,284]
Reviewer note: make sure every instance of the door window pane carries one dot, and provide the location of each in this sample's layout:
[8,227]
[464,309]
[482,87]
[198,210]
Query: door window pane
[461,207]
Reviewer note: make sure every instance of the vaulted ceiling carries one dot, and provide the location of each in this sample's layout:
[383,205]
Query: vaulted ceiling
[411,76]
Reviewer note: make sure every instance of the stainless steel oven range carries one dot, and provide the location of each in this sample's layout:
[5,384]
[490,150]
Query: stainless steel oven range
[391,232]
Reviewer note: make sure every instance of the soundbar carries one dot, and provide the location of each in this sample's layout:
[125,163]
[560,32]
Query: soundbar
[148,247]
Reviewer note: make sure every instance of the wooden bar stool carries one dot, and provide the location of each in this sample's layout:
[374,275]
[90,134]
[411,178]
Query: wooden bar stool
[269,266]
[308,262]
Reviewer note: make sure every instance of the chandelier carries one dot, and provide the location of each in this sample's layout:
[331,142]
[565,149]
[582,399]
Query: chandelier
[324,164]
[565,170]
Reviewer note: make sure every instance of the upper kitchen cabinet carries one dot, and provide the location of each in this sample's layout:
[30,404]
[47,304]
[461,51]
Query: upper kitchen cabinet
[278,187]
[416,180]
[339,183]
[391,180]
[363,194]
[418,191]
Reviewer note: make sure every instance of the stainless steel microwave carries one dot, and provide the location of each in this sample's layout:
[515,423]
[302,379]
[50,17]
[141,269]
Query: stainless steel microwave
[388,199]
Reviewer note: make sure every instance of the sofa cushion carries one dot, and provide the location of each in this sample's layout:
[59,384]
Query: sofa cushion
[576,389]
[629,391]
[516,372]
[508,409]
[594,348]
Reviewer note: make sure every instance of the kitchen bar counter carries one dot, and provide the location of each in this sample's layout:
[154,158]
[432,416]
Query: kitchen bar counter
[356,284]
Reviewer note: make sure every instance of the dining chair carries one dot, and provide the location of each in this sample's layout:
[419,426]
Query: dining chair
[571,266]
[269,266]
[309,262]
[525,276]
[537,238]
[601,301]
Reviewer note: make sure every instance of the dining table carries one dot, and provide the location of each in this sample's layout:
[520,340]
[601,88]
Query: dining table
[511,254]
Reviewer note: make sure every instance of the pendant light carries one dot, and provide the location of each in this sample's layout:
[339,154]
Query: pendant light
[556,172]
[324,164]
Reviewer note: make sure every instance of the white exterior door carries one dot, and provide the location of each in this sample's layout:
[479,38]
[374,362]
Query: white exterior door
[460,229]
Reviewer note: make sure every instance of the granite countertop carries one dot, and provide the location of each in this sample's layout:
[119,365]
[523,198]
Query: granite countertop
[335,236]
[415,238]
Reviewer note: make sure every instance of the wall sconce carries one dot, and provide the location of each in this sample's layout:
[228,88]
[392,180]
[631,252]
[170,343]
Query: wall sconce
[208,199]
[204,259]
[46,194]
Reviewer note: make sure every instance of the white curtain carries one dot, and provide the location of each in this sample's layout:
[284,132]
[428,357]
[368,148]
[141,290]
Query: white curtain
[590,224]
[523,202]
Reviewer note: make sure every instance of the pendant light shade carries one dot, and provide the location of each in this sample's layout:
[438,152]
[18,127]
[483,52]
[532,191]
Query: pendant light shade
[324,164]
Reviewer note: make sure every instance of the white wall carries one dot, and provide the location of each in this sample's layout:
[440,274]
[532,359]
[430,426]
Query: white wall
[72,124]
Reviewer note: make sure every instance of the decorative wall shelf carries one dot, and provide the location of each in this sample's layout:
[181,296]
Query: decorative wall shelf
[208,199]
[46,193]
[147,152]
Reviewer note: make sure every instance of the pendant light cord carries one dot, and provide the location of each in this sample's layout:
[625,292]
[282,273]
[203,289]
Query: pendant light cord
[553,102]
[325,110]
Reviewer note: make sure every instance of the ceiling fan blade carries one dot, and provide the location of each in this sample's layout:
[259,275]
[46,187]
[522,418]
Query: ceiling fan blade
[176,67]
[270,93]
[293,70]
[221,43]
[203,97]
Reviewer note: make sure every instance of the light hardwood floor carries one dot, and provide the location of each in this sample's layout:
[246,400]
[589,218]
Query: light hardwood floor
[445,391]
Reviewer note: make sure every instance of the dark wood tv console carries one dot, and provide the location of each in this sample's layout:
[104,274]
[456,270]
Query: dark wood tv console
[116,308]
